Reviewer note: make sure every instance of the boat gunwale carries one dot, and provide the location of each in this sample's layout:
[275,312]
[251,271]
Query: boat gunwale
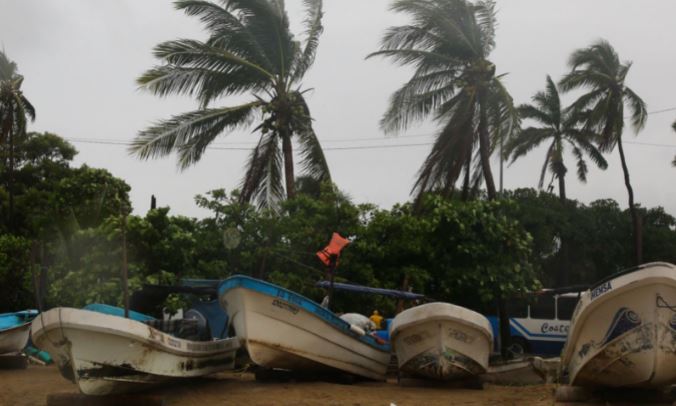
[628,271]
[309,305]
[17,327]
[42,329]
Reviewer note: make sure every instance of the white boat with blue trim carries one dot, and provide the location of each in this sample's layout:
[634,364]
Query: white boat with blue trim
[441,341]
[623,331]
[108,354]
[14,331]
[284,330]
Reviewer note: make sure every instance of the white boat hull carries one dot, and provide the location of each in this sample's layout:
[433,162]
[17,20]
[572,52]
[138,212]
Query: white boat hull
[13,340]
[279,334]
[107,354]
[623,333]
[441,341]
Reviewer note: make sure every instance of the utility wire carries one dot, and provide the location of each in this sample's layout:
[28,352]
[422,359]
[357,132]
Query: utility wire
[247,146]
[329,148]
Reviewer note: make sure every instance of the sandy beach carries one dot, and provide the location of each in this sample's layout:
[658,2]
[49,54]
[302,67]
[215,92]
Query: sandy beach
[31,387]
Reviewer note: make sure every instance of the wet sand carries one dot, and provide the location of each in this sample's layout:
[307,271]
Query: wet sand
[31,387]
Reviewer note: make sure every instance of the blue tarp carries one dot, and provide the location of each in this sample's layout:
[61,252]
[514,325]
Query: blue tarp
[217,319]
[117,311]
[9,320]
[374,291]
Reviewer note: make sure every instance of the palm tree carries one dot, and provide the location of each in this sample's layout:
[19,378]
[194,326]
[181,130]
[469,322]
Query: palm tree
[15,109]
[598,69]
[559,128]
[250,50]
[448,43]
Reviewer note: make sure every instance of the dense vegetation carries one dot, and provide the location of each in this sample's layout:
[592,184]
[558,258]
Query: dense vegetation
[466,252]
[61,226]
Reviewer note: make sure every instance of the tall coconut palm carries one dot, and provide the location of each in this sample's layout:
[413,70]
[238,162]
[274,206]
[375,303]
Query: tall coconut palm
[598,69]
[448,43]
[559,128]
[249,50]
[15,110]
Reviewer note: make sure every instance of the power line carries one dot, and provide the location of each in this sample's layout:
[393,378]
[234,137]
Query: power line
[329,148]
[662,111]
[247,146]
[219,148]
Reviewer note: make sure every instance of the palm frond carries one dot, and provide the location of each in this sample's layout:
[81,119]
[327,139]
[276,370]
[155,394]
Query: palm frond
[584,140]
[8,68]
[487,22]
[197,54]
[263,179]
[528,111]
[526,140]
[639,111]
[581,164]
[313,29]
[26,107]
[453,20]
[312,156]
[189,134]
[268,24]
[451,150]
[226,30]
[585,78]
[418,98]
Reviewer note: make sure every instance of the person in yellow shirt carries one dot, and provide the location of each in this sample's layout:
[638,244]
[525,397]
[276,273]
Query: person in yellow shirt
[376,318]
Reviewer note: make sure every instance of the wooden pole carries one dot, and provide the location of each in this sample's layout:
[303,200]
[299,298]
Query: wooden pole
[332,271]
[36,284]
[125,268]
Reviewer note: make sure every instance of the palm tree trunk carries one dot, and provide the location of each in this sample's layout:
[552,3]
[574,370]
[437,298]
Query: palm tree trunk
[485,147]
[562,186]
[6,134]
[10,182]
[287,149]
[635,217]
[466,180]
[484,152]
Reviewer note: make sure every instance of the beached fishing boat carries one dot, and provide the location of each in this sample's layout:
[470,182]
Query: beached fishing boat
[623,331]
[441,341]
[284,330]
[15,330]
[105,353]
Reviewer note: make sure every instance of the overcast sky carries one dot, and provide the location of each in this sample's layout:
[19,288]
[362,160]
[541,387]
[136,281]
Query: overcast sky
[80,59]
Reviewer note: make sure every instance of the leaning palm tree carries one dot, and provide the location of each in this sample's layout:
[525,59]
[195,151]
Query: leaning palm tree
[249,50]
[15,110]
[598,69]
[559,128]
[448,43]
